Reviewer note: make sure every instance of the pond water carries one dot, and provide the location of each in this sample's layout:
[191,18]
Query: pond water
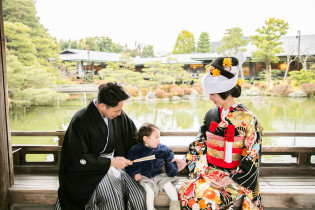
[275,114]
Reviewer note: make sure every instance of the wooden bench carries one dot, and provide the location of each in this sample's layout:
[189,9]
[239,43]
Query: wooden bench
[283,185]
[277,191]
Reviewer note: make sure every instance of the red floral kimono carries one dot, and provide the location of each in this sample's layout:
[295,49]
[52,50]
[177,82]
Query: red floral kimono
[229,144]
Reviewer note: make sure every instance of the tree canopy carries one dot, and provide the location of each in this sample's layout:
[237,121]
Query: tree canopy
[147,52]
[204,43]
[267,43]
[103,44]
[185,43]
[233,41]
[32,55]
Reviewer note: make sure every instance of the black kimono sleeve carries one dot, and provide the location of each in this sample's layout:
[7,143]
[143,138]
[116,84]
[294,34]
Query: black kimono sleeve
[247,173]
[82,158]
[211,115]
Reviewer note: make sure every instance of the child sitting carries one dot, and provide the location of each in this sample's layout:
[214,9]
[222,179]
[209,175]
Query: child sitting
[149,172]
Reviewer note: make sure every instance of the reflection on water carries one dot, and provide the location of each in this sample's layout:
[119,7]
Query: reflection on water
[275,113]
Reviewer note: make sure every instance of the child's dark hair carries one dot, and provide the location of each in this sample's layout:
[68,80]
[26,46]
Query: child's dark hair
[146,129]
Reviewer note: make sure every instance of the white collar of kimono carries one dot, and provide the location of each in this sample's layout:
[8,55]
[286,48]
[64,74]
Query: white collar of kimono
[105,118]
[106,122]
[224,112]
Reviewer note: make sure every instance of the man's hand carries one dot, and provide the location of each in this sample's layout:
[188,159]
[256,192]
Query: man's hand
[120,162]
[138,177]
[223,183]
[181,164]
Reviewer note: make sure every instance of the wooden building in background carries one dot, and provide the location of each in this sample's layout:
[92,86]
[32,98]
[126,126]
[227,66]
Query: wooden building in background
[195,63]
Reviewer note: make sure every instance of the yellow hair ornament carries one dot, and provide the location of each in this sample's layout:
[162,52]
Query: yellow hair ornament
[227,62]
[240,82]
[216,72]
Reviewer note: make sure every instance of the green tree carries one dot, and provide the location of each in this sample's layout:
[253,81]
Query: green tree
[117,48]
[32,55]
[77,44]
[105,44]
[114,72]
[29,85]
[232,41]
[267,43]
[125,62]
[47,48]
[185,43]
[204,43]
[19,43]
[147,52]
[303,76]
[176,71]
[91,43]
[157,73]
[64,44]
[22,11]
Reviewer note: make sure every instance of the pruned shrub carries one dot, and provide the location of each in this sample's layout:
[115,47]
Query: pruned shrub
[169,95]
[177,91]
[131,90]
[263,86]
[308,88]
[187,91]
[99,82]
[79,81]
[198,89]
[282,89]
[246,85]
[167,88]
[159,93]
[144,91]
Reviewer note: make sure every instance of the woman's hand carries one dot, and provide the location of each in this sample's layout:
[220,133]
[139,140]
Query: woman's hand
[181,164]
[120,162]
[223,183]
[138,177]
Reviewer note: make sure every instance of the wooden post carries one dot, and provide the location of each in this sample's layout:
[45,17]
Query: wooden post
[6,165]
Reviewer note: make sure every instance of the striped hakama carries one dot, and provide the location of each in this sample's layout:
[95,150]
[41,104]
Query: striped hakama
[116,193]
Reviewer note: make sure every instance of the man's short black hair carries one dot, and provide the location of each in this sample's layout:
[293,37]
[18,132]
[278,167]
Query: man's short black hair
[111,94]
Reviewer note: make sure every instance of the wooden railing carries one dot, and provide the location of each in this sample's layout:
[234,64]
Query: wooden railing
[302,166]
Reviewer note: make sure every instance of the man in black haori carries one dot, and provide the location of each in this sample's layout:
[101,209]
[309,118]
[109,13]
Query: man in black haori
[93,155]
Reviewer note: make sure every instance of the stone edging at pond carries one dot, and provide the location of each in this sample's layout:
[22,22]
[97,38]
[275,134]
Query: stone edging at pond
[196,96]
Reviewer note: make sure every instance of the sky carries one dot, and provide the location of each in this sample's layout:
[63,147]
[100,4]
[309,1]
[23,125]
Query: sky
[159,22]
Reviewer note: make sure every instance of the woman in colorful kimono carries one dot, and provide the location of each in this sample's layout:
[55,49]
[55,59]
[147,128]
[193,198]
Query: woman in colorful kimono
[224,160]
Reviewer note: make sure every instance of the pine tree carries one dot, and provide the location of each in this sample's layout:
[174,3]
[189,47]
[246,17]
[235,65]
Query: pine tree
[203,43]
[32,55]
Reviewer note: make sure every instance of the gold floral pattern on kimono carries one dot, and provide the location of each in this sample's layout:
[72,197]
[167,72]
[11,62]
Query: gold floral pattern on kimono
[196,192]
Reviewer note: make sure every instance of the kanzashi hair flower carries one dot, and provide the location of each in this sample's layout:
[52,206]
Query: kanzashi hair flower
[216,72]
[227,62]
[240,82]
[213,71]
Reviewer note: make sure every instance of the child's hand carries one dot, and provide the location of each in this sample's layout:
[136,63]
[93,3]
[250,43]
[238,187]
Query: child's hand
[138,177]
[181,164]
